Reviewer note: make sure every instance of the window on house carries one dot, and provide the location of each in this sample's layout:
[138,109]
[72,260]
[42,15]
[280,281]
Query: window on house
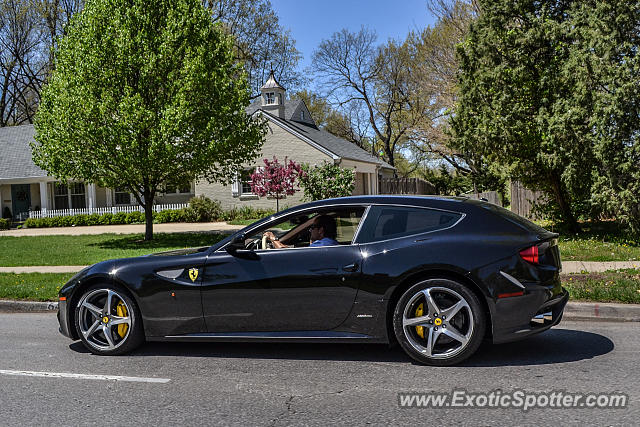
[182,189]
[270,98]
[70,196]
[245,180]
[301,115]
[122,196]
[60,196]
[78,200]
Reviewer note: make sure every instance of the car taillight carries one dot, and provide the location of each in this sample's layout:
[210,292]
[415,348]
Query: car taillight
[530,255]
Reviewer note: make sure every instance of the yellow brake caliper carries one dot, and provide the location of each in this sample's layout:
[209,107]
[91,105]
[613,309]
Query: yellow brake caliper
[121,309]
[420,329]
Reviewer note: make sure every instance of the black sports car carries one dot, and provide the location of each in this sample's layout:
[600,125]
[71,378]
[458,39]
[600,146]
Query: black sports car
[438,275]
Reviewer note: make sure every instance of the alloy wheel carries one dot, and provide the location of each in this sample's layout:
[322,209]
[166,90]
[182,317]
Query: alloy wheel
[105,319]
[438,322]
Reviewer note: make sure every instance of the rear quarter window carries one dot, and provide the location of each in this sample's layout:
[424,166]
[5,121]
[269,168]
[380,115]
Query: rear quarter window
[390,222]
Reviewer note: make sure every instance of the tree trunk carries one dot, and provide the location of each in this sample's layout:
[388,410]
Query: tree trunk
[148,216]
[565,208]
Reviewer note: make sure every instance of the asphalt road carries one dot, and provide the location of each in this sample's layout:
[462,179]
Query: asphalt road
[298,384]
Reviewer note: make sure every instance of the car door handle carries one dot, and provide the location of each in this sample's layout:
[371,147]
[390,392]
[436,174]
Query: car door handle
[350,267]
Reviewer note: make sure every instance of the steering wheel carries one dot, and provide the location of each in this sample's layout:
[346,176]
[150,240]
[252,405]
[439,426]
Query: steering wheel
[264,242]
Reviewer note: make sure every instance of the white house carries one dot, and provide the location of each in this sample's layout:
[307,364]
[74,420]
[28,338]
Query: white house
[293,134]
[24,187]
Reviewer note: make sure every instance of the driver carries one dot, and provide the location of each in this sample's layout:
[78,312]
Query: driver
[323,233]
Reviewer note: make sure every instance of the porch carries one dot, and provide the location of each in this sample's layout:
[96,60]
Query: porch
[28,198]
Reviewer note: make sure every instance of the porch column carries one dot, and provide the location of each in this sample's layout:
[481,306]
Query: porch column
[109,197]
[44,197]
[92,196]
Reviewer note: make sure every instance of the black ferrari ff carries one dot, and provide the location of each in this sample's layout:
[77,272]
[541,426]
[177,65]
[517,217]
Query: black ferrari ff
[437,275]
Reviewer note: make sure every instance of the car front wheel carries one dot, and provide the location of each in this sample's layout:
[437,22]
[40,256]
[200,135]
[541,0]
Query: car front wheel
[108,320]
[439,322]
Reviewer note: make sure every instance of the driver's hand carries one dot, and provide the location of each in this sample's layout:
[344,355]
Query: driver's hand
[270,236]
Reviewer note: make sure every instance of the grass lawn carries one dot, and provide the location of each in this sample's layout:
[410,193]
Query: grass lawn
[609,286]
[32,286]
[242,221]
[84,250]
[598,241]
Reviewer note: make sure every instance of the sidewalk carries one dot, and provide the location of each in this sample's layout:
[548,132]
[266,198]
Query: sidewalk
[174,227]
[571,267]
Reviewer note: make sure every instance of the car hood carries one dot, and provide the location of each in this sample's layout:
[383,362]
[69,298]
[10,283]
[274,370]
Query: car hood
[178,252]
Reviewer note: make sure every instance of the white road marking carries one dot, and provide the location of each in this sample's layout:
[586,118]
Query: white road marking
[84,376]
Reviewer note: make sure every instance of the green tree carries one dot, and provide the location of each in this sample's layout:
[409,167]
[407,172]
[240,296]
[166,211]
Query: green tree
[516,108]
[605,65]
[326,181]
[145,94]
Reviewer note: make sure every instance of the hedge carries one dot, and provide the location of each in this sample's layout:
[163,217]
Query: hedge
[4,224]
[200,209]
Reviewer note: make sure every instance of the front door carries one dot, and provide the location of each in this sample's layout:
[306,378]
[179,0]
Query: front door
[297,289]
[21,200]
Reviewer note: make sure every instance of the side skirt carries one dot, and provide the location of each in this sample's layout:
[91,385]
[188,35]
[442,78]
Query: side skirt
[288,336]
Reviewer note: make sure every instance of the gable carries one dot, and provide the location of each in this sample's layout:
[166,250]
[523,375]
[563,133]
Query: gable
[301,114]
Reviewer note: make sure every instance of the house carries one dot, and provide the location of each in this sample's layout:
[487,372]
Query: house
[24,187]
[293,134]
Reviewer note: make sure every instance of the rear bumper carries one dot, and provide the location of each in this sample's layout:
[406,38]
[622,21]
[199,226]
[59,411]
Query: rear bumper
[519,317]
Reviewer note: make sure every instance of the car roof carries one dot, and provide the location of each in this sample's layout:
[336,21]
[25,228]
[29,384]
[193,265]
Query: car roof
[441,202]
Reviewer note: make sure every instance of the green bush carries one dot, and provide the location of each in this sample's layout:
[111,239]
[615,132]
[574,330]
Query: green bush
[326,181]
[134,217]
[200,209]
[4,224]
[203,209]
[246,212]
[173,215]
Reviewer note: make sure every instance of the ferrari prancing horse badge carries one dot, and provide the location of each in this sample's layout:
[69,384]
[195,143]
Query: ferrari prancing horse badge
[193,274]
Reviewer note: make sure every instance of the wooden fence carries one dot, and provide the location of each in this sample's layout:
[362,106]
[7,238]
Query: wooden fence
[489,196]
[405,186]
[522,200]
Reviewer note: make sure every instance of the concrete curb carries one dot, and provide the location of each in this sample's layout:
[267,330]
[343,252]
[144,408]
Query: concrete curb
[602,312]
[590,311]
[27,306]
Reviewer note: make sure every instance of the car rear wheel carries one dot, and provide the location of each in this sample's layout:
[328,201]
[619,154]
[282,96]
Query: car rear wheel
[439,322]
[108,320]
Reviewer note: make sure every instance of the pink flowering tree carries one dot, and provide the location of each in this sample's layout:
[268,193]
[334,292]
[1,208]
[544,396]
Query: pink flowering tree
[276,180]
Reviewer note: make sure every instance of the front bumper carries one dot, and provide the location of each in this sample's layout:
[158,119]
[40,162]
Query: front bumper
[519,317]
[63,320]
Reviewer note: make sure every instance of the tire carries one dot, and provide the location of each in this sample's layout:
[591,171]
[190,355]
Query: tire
[111,332]
[447,333]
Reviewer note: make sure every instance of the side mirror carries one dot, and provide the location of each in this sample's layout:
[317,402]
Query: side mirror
[236,244]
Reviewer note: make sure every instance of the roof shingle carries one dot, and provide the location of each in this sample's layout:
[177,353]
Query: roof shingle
[15,153]
[338,146]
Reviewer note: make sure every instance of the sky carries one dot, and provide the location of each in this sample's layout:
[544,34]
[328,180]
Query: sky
[311,21]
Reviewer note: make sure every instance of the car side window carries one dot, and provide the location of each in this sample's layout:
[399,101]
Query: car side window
[294,230]
[389,222]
